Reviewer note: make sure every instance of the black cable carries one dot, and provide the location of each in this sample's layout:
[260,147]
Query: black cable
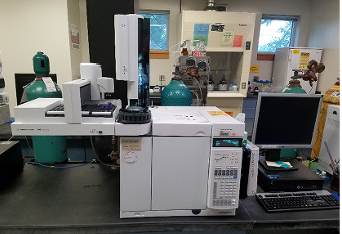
[28,144]
[84,148]
[60,167]
[97,158]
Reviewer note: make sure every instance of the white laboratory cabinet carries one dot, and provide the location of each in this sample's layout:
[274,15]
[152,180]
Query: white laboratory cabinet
[288,58]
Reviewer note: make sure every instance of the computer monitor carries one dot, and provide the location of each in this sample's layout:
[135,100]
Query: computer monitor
[285,120]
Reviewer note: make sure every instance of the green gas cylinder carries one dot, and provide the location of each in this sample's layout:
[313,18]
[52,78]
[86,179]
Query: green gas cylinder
[293,87]
[41,66]
[47,149]
[176,93]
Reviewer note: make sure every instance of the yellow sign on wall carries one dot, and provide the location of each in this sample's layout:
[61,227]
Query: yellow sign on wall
[254,69]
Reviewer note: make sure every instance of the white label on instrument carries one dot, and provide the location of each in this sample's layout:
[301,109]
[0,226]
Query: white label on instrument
[131,144]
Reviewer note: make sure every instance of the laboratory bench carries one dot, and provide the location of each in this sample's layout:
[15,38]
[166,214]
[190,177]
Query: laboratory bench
[86,199]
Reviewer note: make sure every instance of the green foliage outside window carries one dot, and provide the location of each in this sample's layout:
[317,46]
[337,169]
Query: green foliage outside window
[275,34]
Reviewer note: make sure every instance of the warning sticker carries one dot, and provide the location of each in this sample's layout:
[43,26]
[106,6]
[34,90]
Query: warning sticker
[214,113]
[231,113]
[303,65]
[305,56]
[304,59]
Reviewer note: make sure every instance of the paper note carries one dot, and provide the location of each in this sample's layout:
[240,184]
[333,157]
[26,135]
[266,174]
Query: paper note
[237,41]
[227,38]
[50,86]
[75,36]
[201,29]
[131,144]
[201,37]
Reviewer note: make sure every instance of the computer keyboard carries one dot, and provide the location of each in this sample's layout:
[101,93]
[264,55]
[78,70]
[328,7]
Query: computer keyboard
[298,201]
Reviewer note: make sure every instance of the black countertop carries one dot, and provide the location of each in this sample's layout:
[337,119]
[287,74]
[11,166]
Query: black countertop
[87,199]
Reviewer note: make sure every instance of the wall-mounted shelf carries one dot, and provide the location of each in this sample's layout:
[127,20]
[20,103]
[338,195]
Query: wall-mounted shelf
[225,49]
[223,94]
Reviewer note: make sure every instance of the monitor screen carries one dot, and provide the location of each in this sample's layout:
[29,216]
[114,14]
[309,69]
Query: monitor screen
[85,94]
[285,120]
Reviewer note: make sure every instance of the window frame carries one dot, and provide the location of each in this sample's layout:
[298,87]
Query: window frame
[160,54]
[269,56]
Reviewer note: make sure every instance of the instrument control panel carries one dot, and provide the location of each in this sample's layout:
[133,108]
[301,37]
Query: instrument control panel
[224,178]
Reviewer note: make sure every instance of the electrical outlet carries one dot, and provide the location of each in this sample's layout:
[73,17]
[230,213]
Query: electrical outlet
[243,85]
[161,78]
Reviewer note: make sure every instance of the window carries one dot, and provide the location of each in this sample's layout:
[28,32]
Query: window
[276,32]
[159,32]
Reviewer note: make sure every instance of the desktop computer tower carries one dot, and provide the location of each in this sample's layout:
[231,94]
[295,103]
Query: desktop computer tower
[298,178]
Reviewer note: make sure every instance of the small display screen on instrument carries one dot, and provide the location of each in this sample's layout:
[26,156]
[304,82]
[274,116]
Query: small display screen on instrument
[227,142]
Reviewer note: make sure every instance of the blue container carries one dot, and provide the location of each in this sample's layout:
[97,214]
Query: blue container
[176,93]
